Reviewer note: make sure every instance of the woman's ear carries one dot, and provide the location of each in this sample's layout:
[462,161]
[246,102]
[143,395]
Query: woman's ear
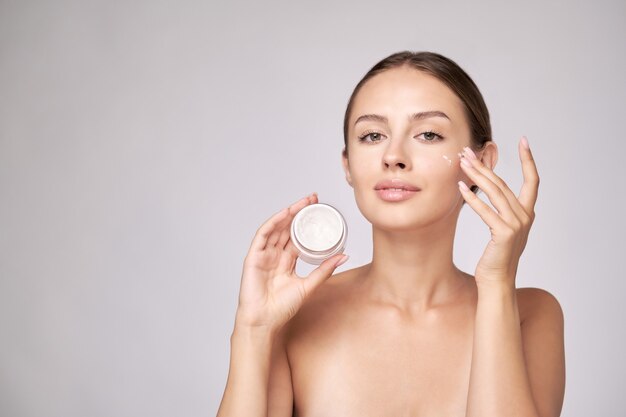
[489,155]
[346,166]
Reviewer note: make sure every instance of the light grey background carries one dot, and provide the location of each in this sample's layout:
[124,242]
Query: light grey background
[142,143]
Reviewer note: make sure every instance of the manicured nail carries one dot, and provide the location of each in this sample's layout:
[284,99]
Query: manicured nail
[463,186]
[470,153]
[525,142]
[343,260]
[467,163]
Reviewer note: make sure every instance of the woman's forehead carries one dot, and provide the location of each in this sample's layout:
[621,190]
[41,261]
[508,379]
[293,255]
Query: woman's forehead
[406,90]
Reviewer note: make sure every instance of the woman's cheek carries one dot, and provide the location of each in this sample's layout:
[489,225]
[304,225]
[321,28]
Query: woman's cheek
[451,172]
[442,179]
[437,171]
[360,180]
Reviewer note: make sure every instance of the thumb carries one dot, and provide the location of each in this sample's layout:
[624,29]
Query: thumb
[323,272]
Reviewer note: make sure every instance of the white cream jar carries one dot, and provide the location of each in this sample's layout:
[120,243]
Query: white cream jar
[318,231]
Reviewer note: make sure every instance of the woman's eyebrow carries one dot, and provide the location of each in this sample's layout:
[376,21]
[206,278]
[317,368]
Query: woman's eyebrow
[415,116]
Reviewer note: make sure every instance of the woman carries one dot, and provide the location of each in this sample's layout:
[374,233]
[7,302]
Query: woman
[408,334]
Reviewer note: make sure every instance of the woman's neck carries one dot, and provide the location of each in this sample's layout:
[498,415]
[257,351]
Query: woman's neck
[414,270]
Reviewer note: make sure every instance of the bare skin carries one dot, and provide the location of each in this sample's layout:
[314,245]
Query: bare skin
[351,354]
[408,334]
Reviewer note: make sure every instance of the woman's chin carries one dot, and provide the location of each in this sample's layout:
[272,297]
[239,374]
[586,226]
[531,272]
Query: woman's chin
[401,220]
[399,224]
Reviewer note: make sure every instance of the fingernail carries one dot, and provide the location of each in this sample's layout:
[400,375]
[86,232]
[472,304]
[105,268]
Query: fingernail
[343,260]
[525,142]
[470,153]
[465,162]
[463,186]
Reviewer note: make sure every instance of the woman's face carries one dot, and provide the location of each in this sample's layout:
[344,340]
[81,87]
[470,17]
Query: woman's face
[391,137]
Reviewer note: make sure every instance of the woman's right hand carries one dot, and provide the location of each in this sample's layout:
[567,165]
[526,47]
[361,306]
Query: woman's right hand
[271,292]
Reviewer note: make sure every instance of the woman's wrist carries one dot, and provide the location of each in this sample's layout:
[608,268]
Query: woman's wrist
[253,332]
[501,285]
[252,329]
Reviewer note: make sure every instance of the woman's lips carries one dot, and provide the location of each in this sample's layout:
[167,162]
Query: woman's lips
[395,189]
[395,194]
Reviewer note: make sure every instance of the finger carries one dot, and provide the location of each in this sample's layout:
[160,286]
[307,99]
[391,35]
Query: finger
[285,235]
[514,203]
[494,193]
[530,188]
[259,241]
[288,258]
[490,217]
[275,238]
[262,235]
[286,232]
[280,229]
[323,272]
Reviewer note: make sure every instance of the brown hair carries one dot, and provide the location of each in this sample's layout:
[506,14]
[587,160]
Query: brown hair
[448,72]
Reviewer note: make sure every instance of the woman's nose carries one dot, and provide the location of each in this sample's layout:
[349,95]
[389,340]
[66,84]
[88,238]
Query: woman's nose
[395,156]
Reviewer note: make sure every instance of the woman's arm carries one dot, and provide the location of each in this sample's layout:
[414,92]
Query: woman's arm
[271,294]
[518,369]
[259,377]
[247,384]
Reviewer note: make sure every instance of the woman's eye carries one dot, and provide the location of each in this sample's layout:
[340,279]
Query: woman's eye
[370,137]
[431,136]
[374,137]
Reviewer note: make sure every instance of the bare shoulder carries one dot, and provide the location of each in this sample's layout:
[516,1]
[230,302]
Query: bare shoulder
[537,303]
[541,318]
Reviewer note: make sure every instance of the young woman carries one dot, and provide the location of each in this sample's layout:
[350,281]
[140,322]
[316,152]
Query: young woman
[408,334]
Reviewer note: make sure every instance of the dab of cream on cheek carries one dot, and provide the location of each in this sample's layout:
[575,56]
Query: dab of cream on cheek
[318,231]
[449,160]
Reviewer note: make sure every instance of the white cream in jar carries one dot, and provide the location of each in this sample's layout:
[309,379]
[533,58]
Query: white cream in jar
[319,232]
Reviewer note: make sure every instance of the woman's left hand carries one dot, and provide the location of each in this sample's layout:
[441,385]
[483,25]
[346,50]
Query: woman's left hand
[511,220]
